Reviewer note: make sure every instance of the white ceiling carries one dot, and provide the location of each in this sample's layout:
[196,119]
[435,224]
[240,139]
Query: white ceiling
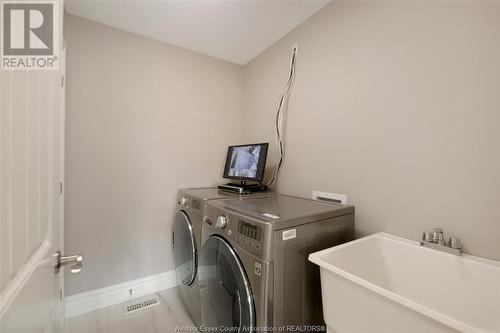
[235,31]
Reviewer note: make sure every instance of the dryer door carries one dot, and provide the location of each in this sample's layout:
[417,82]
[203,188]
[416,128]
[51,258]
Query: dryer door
[184,248]
[226,296]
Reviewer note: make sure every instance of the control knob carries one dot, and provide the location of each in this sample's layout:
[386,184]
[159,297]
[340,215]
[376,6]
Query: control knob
[221,222]
[183,201]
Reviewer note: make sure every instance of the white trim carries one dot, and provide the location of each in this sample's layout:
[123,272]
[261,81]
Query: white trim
[62,180]
[22,276]
[100,298]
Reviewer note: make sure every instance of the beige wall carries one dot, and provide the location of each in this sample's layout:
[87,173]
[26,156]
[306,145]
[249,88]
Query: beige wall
[397,105]
[142,119]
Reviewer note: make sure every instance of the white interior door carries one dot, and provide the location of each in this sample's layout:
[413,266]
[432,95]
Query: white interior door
[31,202]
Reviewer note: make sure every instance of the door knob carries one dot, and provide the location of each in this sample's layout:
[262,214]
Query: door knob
[75,262]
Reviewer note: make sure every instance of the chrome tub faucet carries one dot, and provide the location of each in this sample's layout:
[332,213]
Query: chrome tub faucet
[435,240]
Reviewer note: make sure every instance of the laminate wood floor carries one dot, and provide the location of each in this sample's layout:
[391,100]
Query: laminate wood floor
[166,317]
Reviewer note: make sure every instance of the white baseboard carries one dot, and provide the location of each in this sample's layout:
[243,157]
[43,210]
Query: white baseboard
[100,298]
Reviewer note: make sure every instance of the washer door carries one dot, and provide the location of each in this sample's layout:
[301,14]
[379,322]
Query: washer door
[226,296]
[184,248]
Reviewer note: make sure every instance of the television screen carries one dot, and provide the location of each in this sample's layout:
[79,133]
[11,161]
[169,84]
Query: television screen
[246,162]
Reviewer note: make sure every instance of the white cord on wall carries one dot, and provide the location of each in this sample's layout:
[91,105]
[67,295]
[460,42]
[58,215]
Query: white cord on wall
[281,116]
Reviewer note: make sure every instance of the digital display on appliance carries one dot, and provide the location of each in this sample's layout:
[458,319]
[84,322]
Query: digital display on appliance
[250,230]
[246,162]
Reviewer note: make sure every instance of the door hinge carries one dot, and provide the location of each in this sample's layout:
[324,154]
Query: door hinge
[62,81]
[60,188]
[60,294]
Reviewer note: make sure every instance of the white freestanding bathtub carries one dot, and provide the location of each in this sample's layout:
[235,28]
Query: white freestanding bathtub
[383,283]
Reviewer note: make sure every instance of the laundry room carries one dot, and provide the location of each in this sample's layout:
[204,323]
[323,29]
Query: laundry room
[249,166]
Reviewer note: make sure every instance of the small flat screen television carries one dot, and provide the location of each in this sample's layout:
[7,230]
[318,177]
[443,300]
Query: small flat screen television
[246,162]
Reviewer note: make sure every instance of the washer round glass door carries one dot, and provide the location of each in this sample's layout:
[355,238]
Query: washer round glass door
[226,298]
[184,248]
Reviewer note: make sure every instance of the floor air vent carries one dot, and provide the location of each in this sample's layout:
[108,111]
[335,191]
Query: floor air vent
[142,303]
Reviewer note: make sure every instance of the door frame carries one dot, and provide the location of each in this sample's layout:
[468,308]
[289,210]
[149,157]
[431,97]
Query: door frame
[62,303]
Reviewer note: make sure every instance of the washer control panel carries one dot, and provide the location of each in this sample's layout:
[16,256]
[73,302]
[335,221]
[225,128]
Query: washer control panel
[250,234]
[250,230]
[255,237]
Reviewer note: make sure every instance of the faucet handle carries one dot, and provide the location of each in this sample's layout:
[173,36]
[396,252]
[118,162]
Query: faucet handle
[427,236]
[454,243]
